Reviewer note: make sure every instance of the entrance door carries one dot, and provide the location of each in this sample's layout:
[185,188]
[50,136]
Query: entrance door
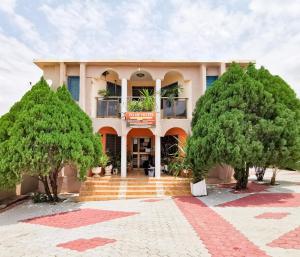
[141,151]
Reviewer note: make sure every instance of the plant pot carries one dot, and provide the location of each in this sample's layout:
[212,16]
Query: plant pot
[108,170]
[199,188]
[96,172]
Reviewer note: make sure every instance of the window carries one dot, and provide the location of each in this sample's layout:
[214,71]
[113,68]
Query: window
[170,89]
[169,146]
[73,87]
[210,80]
[113,145]
[113,89]
[136,91]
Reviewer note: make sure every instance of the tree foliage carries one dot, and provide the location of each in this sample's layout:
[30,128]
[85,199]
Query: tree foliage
[41,134]
[247,118]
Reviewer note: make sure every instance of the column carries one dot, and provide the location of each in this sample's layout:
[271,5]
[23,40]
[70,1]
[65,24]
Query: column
[157,134]
[157,97]
[124,156]
[93,101]
[157,156]
[124,97]
[190,100]
[203,76]
[82,87]
[62,74]
[222,68]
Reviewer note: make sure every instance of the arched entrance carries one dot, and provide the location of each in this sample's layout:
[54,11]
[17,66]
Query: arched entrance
[111,145]
[108,86]
[173,143]
[140,148]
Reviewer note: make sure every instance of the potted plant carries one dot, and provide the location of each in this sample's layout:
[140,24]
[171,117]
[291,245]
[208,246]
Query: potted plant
[198,185]
[103,162]
[103,92]
[96,172]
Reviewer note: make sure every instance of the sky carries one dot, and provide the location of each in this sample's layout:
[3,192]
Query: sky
[267,31]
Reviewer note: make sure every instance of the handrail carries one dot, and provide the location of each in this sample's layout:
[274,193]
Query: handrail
[108,108]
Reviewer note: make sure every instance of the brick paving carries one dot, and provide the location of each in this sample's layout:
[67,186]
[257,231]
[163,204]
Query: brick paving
[82,245]
[261,223]
[213,229]
[272,215]
[266,200]
[290,240]
[78,218]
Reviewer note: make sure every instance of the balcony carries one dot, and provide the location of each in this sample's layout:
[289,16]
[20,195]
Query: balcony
[108,107]
[175,108]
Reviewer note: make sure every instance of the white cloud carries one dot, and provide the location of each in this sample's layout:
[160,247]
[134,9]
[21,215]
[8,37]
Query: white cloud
[16,71]
[267,31]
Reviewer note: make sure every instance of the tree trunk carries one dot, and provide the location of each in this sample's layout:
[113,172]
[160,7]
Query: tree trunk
[53,182]
[273,179]
[46,187]
[241,175]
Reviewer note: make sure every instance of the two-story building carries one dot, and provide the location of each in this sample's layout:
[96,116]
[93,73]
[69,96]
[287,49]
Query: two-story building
[112,93]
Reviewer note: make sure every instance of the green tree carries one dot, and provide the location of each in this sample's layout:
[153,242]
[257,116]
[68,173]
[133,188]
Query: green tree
[280,130]
[240,120]
[41,134]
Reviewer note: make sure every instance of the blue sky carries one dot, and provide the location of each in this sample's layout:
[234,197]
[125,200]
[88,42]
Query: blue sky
[267,31]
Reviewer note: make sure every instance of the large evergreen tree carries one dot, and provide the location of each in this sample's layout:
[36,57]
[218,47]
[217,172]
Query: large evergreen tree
[242,121]
[41,134]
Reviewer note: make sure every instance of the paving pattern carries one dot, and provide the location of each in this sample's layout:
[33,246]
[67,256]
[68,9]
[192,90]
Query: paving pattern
[263,221]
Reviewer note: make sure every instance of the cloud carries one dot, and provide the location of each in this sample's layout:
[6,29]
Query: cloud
[266,31]
[16,71]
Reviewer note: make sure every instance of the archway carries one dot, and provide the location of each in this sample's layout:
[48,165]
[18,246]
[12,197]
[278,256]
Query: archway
[173,142]
[111,142]
[140,148]
[140,80]
[174,94]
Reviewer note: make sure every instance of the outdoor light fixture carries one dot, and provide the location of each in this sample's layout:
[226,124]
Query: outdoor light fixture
[140,74]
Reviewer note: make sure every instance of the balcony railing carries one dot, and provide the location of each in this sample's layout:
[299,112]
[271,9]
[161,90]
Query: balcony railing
[175,108]
[171,108]
[108,107]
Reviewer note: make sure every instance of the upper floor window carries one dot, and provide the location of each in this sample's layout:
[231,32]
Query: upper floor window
[210,80]
[113,89]
[73,87]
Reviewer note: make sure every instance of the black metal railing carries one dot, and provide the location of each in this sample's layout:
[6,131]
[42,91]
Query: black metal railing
[108,107]
[174,108]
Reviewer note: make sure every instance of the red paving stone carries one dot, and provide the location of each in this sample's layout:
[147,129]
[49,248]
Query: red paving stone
[290,240]
[266,200]
[272,215]
[82,245]
[218,235]
[251,188]
[78,218]
[151,200]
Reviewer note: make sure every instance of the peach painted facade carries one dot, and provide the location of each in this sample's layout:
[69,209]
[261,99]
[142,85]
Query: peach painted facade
[191,76]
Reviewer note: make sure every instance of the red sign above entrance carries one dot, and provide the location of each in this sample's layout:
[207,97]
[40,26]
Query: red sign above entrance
[140,119]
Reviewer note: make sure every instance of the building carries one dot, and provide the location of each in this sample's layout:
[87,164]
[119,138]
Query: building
[108,91]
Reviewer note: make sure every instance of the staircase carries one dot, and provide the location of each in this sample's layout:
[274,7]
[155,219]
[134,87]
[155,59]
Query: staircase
[112,188]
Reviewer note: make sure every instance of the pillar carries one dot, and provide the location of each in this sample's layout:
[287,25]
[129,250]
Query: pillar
[82,87]
[157,134]
[124,156]
[222,68]
[124,97]
[203,76]
[157,156]
[62,74]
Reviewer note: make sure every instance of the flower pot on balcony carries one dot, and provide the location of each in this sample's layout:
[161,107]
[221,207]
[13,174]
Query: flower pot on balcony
[96,172]
[199,188]
[108,170]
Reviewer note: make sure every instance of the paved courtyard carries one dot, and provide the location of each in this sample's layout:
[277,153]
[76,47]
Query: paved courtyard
[262,221]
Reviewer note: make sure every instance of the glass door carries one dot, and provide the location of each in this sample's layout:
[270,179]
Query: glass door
[141,151]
